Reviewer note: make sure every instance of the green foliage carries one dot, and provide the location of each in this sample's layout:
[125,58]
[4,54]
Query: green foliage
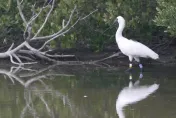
[138,15]
[166,15]
[5,5]
[10,27]
[62,11]
[95,31]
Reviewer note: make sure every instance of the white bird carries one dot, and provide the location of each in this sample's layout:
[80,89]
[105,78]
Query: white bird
[130,48]
[133,94]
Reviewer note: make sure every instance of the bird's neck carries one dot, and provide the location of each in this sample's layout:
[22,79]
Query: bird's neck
[120,112]
[120,29]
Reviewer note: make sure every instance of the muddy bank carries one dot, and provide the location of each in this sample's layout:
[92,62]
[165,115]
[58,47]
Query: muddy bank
[167,56]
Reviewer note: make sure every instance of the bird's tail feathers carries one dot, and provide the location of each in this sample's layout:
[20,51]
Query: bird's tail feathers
[154,55]
[153,88]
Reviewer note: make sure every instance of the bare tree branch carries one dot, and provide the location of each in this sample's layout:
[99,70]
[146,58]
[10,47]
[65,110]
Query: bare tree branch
[46,19]
[21,13]
[11,59]
[32,19]
[114,55]
[57,33]
[19,52]
[25,57]
[19,60]
[64,32]
[61,34]
[11,47]
[89,14]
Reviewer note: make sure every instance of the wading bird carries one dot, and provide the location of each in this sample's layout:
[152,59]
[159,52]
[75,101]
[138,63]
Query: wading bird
[131,48]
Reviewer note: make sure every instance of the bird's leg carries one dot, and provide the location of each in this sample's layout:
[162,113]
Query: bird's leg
[140,75]
[130,64]
[138,60]
[130,67]
[130,76]
[141,66]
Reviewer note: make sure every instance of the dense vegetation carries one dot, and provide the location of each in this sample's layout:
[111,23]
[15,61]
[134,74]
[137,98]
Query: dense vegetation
[166,15]
[146,20]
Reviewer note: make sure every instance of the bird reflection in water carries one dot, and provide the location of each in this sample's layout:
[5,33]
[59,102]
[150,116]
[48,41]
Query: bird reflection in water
[133,94]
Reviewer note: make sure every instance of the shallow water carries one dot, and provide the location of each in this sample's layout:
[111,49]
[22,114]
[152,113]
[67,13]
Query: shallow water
[87,92]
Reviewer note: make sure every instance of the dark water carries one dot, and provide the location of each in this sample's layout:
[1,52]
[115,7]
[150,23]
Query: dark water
[87,92]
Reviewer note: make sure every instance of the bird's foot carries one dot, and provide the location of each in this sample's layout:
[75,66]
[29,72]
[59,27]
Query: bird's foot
[128,70]
[140,66]
[130,65]
[130,77]
[140,76]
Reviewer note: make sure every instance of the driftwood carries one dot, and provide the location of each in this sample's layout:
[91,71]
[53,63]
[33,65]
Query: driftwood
[27,51]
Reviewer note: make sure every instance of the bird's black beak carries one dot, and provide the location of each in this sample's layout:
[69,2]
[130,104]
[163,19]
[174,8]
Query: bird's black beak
[115,21]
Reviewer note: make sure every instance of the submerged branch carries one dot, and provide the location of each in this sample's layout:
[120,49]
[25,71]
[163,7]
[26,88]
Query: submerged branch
[114,55]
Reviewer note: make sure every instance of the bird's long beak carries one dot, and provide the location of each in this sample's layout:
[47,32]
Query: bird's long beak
[115,21]
[112,25]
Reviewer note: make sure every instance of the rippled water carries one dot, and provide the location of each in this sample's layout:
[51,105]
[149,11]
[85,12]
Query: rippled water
[87,92]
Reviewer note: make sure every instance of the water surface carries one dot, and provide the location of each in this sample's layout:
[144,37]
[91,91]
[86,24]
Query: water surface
[85,92]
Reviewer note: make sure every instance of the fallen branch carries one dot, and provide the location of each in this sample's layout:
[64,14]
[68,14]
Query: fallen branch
[27,51]
[114,55]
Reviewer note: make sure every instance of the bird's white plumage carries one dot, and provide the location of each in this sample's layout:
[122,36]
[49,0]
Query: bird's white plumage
[130,48]
[133,94]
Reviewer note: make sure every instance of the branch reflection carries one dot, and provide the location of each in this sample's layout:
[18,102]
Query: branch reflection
[39,97]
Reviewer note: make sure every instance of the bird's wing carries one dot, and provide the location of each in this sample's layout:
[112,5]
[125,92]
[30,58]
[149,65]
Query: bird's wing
[135,94]
[140,50]
[133,40]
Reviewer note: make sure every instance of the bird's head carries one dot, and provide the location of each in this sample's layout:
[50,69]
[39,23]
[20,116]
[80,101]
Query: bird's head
[120,19]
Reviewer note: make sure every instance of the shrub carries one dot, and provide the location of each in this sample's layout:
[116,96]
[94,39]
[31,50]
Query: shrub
[166,15]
